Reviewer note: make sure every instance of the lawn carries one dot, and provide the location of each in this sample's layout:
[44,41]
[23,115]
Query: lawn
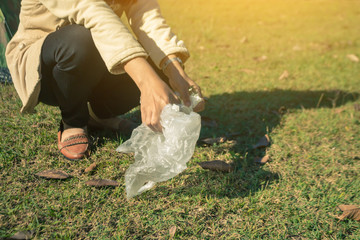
[283,68]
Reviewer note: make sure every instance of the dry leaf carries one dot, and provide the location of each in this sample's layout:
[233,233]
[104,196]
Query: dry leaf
[339,110]
[172,231]
[282,110]
[223,45]
[23,235]
[261,58]
[353,57]
[349,211]
[208,122]
[262,160]
[211,141]
[248,71]
[102,183]
[53,174]
[244,40]
[295,237]
[217,165]
[357,107]
[90,168]
[296,48]
[263,142]
[347,207]
[284,75]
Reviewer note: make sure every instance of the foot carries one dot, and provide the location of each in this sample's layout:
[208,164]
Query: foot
[73,143]
[70,131]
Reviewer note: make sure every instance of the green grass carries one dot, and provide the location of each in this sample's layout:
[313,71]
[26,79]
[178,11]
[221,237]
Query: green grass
[2,56]
[309,116]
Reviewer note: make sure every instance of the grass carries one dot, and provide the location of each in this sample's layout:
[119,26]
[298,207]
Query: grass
[310,117]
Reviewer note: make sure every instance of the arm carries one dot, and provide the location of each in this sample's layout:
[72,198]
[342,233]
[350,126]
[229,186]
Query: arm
[152,31]
[181,82]
[111,37]
[155,93]
[155,35]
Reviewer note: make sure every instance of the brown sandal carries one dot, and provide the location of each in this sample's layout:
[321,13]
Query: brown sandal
[74,147]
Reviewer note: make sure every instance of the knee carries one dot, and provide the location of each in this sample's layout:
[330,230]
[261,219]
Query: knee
[76,48]
[79,40]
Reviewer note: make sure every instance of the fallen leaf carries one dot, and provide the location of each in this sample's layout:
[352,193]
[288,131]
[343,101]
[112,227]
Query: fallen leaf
[282,110]
[172,231]
[350,212]
[344,207]
[53,174]
[102,183]
[295,237]
[247,71]
[90,168]
[263,142]
[230,143]
[357,107]
[262,160]
[211,141]
[223,46]
[353,57]
[339,110]
[23,235]
[261,58]
[208,122]
[297,48]
[244,40]
[217,165]
[284,75]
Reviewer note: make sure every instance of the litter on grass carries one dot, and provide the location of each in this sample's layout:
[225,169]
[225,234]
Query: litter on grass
[162,156]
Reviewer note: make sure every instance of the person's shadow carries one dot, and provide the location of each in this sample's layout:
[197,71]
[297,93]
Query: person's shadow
[246,117]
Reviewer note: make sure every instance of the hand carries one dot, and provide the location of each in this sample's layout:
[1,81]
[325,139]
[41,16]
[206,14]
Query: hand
[155,93]
[181,83]
[154,98]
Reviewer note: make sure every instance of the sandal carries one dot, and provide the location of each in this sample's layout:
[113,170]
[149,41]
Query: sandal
[74,147]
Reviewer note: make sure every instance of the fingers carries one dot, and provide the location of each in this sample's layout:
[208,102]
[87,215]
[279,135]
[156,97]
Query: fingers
[195,89]
[185,96]
[200,106]
[151,119]
[152,107]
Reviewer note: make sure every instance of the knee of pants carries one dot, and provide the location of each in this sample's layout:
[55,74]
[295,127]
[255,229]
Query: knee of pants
[74,49]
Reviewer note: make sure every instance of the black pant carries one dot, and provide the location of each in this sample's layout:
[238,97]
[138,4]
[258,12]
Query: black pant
[73,73]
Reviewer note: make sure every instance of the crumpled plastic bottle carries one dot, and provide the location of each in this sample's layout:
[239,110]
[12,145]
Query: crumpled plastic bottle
[161,156]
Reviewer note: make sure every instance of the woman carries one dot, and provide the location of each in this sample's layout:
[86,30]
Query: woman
[78,55]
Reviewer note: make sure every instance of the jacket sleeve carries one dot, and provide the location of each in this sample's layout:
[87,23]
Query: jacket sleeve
[152,31]
[111,37]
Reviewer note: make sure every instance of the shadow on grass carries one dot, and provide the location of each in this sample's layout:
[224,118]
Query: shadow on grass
[251,115]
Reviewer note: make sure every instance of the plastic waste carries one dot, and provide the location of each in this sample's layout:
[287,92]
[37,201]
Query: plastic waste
[161,156]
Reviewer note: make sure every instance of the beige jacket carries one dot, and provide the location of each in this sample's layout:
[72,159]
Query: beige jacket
[112,38]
